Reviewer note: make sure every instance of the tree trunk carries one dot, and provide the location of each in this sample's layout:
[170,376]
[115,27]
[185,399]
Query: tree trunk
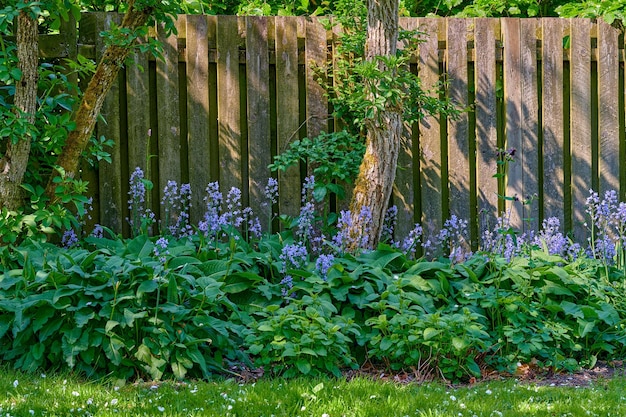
[374,183]
[91,103]
[15,160]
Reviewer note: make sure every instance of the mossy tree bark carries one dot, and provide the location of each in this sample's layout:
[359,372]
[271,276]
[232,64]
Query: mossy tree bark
[15,159]
[374,183]
[91,103]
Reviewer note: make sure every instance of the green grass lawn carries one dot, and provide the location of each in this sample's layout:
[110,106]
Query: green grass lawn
[65,395]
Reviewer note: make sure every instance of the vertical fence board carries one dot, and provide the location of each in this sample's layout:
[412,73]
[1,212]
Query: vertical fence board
[486,123]
[458,130]
[316,102]
[198,131]
[431,157]
[138,111]
[608,116]
[514,173]
[528,159]
[259,141]
[111,194]
[552,109]
[404,189]
[580,122]
[168,122]
[229,102]
[287,118]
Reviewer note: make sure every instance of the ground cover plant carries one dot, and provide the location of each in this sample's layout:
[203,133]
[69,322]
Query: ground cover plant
[193,301]
[61,394]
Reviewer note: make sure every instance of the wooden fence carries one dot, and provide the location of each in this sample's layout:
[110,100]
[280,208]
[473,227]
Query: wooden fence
[232,92]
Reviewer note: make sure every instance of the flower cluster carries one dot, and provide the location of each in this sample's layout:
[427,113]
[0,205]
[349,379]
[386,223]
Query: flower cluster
[607,226]
[141,217]
[176,203]
[292,256]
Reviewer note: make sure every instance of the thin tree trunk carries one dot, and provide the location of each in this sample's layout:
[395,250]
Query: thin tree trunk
[15,160]
[377,172]
[91,103]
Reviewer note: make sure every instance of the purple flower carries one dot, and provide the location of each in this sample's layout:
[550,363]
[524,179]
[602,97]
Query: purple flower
[293,256]
[389,224]
[233,214]
[69,239]
[323,264]
[140,217]
[287,285]
[97,232]
[412,241]
[160,249]
[271,191]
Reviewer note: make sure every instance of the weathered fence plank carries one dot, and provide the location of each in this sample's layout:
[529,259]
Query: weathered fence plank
[486,120]
[229,103]
[112,197]
[580,122]
[513,171]
[608,114]
[431,156]
[459,173]
[168,120]
[287,106]
[404,192]
[529,151]
[552,116]
[316,60]
[259,140]
[198,103]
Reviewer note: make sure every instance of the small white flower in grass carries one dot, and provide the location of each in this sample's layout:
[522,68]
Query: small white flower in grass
[325,415]
[154,387]
[90,401]
[31,412]
[488,392]
[230,407]
[16,383]
[114,401]
[161,409]
[462,405]
[452,398]
[303,408]
[43,375]
[75,393]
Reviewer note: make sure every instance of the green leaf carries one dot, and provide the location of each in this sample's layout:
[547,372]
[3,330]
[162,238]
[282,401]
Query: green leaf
[572,309]
[304,366]
[265,328]
[147,286]
[430,333]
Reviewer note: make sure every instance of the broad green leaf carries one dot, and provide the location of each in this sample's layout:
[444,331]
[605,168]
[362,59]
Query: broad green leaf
[572,309]
[430,333]
[304,366]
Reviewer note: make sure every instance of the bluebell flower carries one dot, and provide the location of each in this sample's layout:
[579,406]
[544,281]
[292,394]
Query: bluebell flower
[271,191]
[160,249]
[97,232]
[323,264]
[389,224]
[69,239]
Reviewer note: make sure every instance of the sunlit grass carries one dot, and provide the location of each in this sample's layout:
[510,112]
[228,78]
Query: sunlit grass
[65,395]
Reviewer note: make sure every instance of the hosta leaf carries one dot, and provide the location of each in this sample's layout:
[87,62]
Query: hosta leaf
[179,370]
[182,261]
[572,309]
[82,317]
[147,286]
